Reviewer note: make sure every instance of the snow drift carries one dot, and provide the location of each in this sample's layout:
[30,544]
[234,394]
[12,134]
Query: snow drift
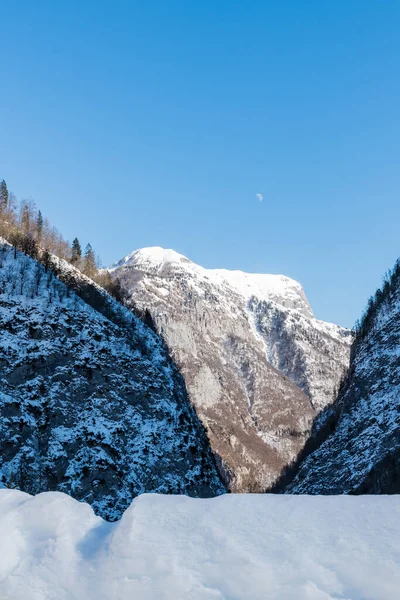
[232,547]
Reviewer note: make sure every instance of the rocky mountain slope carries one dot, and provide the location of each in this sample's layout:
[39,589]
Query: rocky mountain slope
[90,402]
[362,453]
[258,366]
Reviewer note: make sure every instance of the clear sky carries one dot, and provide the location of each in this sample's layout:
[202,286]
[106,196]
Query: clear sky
[135,124]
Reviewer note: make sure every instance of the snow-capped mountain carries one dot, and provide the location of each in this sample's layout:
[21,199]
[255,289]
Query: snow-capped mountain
[90,402]
[362,454]
[258,366]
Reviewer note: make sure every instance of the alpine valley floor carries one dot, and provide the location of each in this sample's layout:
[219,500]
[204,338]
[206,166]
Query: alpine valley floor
[234,547]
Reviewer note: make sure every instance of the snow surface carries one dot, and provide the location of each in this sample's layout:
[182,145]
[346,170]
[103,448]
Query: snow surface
[252,547]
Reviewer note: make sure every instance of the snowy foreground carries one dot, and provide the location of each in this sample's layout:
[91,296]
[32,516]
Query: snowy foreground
[249,547]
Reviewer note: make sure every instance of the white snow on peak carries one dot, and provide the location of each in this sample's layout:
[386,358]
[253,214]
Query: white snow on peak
[153,258]
[260,285]
[263,286]
[247,546]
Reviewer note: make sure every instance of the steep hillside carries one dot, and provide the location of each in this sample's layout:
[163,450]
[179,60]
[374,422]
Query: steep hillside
[90,402]
[258,366]
[362,454]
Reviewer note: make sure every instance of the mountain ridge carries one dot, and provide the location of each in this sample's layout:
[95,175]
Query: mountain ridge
[267,286]
[360,451]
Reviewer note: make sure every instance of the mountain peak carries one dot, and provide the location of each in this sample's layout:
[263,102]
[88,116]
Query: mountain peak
[166,262]
[152,257]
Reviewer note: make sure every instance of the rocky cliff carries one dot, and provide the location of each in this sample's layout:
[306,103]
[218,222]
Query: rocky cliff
[360,452]
[258,365]
[90,402]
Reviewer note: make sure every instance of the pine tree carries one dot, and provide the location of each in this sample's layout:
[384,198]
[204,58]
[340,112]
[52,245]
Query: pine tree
[39,228]
[3,196]
[89,265]
[76,252]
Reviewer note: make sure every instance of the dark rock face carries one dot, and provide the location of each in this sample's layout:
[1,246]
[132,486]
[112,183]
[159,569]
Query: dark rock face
[90,405]
[362,453]
[258,366]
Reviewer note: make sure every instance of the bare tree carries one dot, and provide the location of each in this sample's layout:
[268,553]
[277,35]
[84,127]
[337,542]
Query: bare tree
[27,213]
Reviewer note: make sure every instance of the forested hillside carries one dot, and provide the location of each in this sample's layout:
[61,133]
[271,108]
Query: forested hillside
[24,226]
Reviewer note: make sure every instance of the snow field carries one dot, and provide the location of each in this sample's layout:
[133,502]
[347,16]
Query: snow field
[234,547]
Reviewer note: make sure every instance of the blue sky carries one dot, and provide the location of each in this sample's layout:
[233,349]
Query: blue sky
[134,124]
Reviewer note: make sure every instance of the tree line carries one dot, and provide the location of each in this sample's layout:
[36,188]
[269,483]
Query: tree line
[23,225]
[389,286]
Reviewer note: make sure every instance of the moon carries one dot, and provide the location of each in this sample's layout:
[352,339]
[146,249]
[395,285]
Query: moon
[259,197]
